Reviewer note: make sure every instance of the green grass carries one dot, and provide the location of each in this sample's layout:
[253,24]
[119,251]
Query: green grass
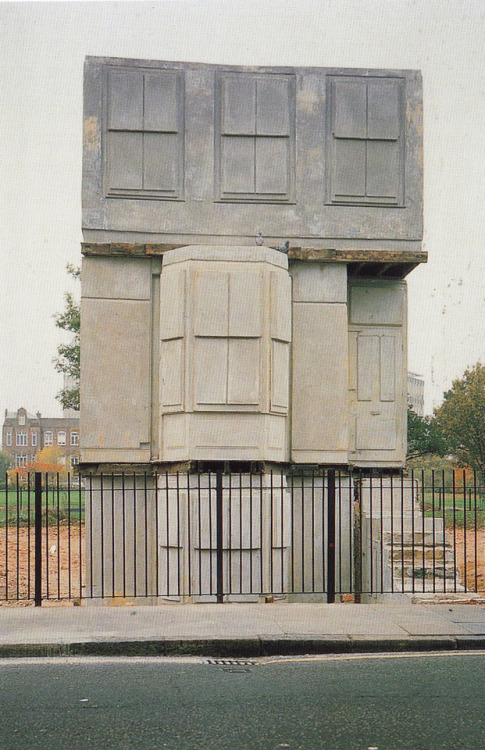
[459,512]
[18,506]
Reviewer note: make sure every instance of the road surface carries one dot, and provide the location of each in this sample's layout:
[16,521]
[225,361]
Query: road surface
[417,702]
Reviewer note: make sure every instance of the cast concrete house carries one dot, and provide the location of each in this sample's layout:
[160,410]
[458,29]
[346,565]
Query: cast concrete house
[23,434]
[247,234]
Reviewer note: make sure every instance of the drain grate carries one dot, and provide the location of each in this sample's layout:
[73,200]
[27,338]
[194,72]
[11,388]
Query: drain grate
[231,662]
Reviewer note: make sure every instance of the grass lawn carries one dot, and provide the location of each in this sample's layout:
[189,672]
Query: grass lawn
[65,505]
[460,510]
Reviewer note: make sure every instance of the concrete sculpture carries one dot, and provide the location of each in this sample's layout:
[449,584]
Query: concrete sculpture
[202,343]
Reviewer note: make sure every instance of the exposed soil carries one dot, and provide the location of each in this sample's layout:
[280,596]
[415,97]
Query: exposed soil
[61,554]
[475,557]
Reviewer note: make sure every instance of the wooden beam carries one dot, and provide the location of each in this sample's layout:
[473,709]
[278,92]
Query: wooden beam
[315,255]
[125,248]
[308,254]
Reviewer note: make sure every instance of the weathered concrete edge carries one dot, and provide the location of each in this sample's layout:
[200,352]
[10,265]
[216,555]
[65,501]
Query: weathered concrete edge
[245,647]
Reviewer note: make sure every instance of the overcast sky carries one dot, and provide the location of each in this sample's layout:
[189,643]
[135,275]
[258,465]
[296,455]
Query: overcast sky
[42,49]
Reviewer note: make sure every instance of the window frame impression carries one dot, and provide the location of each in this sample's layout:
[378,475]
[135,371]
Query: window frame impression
[250,131]
[365,141]
[138,139]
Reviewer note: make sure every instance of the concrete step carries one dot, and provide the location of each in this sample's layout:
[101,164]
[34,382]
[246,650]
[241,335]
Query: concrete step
[447,597]
[416,537]
[433,590]
[429,572]
[416,554]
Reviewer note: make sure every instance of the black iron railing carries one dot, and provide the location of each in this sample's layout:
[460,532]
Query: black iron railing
[219,536]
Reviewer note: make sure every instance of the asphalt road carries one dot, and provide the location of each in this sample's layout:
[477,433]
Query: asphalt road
[418,702]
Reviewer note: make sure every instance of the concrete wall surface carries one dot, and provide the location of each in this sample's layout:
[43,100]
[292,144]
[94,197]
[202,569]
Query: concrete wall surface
[116,310]
[157,537]
[378,380]
[221,355]
[225,331]
[186,152]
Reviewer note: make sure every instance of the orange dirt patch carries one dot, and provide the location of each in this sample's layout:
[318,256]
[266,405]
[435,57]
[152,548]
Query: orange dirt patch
[474,546]
[63,564]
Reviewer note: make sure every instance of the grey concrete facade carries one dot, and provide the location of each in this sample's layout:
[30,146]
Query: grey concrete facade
[221,355]
[201,340]
[184,153]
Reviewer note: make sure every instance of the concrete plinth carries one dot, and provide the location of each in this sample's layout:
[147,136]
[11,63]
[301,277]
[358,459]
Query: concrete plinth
[255,552]
[121,537]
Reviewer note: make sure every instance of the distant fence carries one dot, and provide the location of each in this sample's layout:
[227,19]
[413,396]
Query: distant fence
[219,536]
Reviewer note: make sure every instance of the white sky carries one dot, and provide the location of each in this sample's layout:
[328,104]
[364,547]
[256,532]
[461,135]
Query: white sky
[42,49]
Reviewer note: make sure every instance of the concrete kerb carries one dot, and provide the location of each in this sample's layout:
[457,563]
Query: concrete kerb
[245,647]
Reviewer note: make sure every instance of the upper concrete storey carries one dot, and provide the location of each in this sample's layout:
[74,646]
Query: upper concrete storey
[184,153]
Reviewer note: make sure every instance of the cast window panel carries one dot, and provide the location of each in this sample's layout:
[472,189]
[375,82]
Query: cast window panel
[228,327]
[255,145]
[144,133]
[365,141]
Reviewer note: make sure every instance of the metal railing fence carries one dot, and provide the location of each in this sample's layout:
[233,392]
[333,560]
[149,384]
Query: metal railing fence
[218,536]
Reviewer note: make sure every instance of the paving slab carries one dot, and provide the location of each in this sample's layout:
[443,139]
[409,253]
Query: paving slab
[239,629]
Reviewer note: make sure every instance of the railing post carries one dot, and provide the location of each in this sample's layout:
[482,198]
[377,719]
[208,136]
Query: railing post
[219,540]
[38,539]
[331,536]
[357,561]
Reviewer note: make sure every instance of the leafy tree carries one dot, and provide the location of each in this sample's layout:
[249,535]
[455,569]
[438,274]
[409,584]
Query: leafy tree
[68,359]
[461,418]
[424,437]
[47,460]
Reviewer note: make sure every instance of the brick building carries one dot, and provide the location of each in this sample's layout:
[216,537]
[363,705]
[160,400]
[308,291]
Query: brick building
[23,434]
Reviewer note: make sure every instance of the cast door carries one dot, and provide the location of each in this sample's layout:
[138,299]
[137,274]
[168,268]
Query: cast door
[376,392]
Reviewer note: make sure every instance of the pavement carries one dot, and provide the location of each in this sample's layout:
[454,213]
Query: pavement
[239,630]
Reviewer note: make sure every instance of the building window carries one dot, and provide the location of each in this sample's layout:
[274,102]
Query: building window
[34,439]
[255,145]
[21,419]
[74,461]
[144,133]
[21,438]
[21,460]
[48,438]
[74,438]
[8,438]
[365,141]
[61,438]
